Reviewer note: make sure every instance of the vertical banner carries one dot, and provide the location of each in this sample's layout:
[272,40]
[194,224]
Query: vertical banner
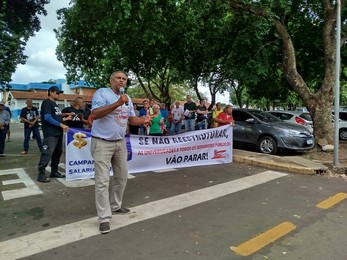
[79,163]
[149,153]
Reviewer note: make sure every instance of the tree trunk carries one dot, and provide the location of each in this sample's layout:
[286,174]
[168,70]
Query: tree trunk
[319,104]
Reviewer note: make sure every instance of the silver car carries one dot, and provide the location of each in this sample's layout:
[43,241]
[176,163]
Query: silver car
[296,117]
[268,133]
[342,124]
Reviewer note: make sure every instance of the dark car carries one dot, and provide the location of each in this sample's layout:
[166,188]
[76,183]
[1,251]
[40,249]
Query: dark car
[268,133]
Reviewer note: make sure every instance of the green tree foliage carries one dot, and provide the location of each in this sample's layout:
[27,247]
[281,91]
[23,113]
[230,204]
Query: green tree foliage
[205,45]
[177,91]
[124,35]
[306,30]
[163,43]
[267,49]
[18,21]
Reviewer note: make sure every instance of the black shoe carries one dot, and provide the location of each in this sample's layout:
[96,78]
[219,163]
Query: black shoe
[57,175]
[42,178]
[104,227]
[122,211]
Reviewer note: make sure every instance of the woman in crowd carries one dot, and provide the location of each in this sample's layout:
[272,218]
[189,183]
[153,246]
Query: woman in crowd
[226,117]
[215,113]
[157,122]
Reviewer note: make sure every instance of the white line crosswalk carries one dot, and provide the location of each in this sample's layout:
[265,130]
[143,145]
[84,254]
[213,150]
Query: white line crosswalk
[19,177]
[59,236]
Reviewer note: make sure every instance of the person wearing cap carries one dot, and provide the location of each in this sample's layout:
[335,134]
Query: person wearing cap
[4,122]
[111,110]
[53,129]
[29,115]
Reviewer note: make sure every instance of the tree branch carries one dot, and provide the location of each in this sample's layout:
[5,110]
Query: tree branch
[289,62]
[326,4]
[247,8]
[142,85]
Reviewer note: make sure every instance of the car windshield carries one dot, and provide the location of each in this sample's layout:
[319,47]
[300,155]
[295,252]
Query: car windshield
[264,116]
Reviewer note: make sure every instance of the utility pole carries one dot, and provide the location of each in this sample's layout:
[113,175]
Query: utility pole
[337,84]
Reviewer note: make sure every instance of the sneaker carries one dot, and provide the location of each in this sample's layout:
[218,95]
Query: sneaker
[57,175]
[122,211]
[104,227]
[24,152]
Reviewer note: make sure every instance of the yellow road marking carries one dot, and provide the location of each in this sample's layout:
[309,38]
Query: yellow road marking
[328,203]
[251,246]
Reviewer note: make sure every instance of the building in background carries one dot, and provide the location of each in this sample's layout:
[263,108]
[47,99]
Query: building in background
[16,95]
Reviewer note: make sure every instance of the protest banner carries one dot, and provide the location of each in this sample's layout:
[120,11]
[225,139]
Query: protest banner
[150,153]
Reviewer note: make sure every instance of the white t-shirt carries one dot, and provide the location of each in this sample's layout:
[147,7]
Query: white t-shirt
[112,126]
[177,113]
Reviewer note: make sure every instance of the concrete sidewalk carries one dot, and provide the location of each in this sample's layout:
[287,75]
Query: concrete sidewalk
[293,164]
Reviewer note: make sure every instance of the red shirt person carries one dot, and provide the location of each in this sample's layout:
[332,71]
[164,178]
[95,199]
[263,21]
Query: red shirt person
[225,117]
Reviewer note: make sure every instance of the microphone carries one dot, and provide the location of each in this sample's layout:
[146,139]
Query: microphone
[122,91]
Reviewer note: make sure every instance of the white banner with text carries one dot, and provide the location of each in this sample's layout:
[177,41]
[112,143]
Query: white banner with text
[150,153]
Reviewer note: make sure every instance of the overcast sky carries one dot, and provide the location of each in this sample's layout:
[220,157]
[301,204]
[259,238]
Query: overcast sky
[42,64]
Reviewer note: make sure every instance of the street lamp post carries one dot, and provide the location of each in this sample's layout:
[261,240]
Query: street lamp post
[337,84]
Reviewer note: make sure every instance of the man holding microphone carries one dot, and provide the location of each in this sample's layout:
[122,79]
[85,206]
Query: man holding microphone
[111,111]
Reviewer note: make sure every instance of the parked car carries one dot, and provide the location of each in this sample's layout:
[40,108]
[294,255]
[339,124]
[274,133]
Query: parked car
[342,124]
[297,117]
[269,134]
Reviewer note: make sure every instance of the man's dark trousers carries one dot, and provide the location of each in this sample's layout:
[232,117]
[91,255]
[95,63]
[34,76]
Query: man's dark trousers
[51,150]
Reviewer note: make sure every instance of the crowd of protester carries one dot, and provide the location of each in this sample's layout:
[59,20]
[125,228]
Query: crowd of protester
[176,119]
[180,118]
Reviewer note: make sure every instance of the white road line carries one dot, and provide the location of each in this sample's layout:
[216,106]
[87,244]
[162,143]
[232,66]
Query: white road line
[166,170]
[62,235]
[83,182]
[30,187]
[77,183]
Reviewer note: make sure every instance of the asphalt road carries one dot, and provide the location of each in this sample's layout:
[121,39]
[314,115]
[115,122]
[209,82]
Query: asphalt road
[230,211]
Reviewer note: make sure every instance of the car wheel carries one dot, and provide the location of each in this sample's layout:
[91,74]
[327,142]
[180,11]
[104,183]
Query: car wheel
[343,134]
[267,145]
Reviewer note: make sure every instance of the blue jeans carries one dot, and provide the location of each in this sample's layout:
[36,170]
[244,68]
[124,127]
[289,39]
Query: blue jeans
[189,124]
[36,135]
[175,128]
[143,130]
[201,125]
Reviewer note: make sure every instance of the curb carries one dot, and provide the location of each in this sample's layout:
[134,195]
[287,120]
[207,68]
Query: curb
[273,162]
